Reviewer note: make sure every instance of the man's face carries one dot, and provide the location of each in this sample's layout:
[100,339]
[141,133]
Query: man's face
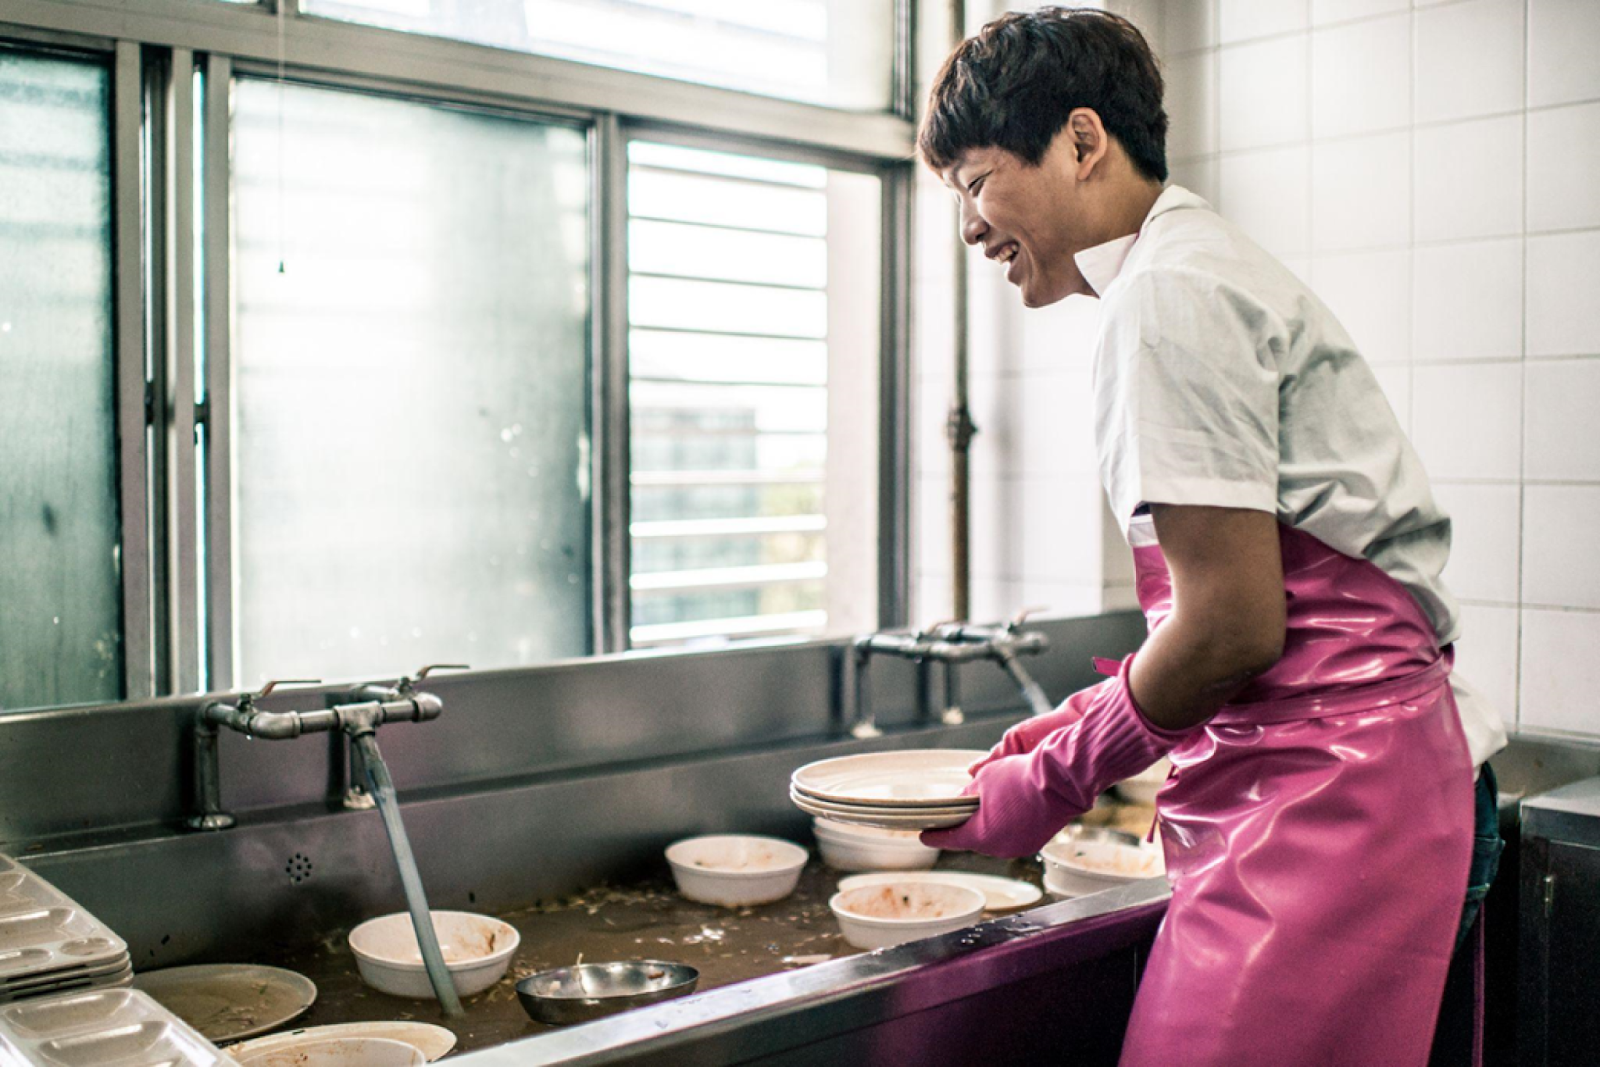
[1030,220]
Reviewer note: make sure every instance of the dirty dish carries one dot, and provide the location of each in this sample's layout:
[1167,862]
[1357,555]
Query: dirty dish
[432,1041]
[999,894]
[477,950]
[326,1051]
[1143,787]
[884,818]
[590,990]
[734,870]
[913,778]
[845,847]
[227,1001]
[878,916]
[1079,860]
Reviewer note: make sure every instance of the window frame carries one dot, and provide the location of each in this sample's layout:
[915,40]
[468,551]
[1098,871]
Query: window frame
[177,608]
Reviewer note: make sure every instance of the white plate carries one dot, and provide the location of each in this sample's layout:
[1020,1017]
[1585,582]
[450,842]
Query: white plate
[915,778]
[876,809]
[433,1041]
[999,894]
[225,1001]
[913,820]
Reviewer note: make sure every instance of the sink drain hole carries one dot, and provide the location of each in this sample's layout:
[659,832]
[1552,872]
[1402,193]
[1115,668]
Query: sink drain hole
[298,868]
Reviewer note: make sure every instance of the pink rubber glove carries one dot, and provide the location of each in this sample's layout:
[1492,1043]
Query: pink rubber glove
[1027,734]
[1025,799]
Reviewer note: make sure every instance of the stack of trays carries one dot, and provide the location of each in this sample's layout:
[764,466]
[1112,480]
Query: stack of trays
[913,789]
[103,1026]
[49,944]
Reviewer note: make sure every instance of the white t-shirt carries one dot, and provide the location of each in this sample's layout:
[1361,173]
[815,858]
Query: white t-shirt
[1220,379]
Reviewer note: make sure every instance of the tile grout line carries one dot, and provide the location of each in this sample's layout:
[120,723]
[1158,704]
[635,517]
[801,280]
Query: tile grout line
[1522,379]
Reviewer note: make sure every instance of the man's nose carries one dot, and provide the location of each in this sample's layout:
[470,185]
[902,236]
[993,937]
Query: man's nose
[972,225]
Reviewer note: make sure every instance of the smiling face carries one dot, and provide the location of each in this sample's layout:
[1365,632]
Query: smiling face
[1032,220]
[1022,218]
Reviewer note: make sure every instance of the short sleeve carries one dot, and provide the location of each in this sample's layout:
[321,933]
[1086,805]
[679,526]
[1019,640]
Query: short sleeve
[1186,395]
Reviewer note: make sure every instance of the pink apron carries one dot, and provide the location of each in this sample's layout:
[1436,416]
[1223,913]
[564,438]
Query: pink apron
[1317,833]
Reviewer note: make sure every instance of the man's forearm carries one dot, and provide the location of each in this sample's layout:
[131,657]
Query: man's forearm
[1184,672]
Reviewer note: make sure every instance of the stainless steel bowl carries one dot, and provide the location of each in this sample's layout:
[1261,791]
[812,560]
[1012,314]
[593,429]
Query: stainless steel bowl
[590,990]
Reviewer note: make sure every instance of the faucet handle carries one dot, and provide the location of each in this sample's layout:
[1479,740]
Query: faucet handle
[270,686]
[247,700]
[424,672]
[405,684]
[1020,617]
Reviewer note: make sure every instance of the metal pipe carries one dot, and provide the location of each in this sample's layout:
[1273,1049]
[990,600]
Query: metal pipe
[1037,700]
[959,428]
[382,788]
[207,779]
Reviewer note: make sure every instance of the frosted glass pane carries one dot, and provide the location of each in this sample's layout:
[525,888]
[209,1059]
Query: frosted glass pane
[60,599]
[412,386]
[833,52]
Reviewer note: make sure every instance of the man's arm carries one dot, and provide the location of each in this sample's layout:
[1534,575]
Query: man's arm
[1228,611]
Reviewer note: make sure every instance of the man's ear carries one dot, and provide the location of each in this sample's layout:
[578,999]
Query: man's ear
[1089,139]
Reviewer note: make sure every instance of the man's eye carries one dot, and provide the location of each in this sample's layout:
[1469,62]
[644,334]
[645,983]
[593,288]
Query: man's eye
[976,184]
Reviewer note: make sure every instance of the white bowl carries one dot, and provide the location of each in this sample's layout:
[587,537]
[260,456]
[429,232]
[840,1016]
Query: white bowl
[1143,787]
[338,1052]
[1079,861]
[735,869]
[865,848]
[878,916]
[477,950]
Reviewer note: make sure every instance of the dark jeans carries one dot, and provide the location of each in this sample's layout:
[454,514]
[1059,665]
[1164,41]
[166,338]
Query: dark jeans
[1486,849]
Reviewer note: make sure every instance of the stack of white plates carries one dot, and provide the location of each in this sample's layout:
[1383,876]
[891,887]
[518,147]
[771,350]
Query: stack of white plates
[49,944]
[912,789]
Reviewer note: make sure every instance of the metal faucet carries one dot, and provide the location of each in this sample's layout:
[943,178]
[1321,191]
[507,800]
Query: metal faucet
[950,643]
[347,756]
[369,707]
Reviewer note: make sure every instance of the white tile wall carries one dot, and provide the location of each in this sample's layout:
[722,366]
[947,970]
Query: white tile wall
[1467,301]
[1486,655]
[1263,92]
[1469,59]
[1370,294]
[1378,100]
[1560,671]
[1061,529]
[1466,419]
[1469,179]
[1563,160]
[1243,19]
[1558,522]
[1487,531]
[1267,195]
[1189,24]
[1199,176]
[1191,101]
[1326,11]
[1563,403]
[1563,278]
[1361,192]
[1561,56]
[1057,424]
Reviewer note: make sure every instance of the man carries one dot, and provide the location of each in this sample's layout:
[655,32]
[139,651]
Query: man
[1319,824]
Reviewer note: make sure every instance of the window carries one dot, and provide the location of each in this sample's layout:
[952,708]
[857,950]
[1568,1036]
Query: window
[411,385]
[828,52]
[60,567]
[753,343]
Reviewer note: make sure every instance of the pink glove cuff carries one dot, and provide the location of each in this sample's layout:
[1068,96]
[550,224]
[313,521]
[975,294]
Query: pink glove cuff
[1025,799]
